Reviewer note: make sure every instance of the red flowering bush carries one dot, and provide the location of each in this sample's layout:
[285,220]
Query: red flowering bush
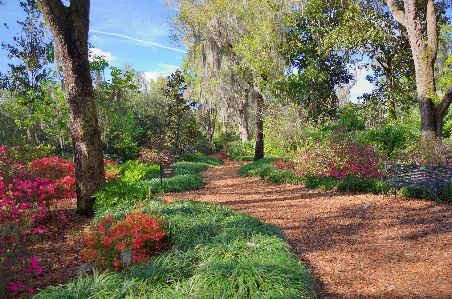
[113,243]
[157,152]
[337,158]
[284,164]
[111,170]
[26,192]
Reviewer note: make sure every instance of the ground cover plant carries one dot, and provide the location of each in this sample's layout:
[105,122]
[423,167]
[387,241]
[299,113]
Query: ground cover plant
[215,253]
[138,181]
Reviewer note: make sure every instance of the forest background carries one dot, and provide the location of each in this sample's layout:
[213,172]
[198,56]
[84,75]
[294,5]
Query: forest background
[279,69]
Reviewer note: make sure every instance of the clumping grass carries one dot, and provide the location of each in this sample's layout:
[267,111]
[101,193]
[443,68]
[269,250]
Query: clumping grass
[215,253]
[264,169]
[138,181]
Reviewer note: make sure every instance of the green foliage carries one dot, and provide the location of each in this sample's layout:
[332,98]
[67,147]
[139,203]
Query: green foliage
[389,138]
[322,183]
[353,184]
[138,181]
[318,74]
[265,169]
[132,171]
[349,119]
[216,253]
[181,126]
[425,153]
[239,151]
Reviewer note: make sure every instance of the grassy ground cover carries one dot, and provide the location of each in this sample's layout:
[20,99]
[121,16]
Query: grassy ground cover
[214,251]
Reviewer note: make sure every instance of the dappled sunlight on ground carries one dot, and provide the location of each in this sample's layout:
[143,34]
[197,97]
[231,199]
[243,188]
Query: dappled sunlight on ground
[356,245]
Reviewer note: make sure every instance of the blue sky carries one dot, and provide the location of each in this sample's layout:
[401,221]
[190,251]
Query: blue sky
[134,32]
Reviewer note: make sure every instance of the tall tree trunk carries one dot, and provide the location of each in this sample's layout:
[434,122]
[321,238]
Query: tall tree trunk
[69,27]
[259,147]
[424,55]
[243,119]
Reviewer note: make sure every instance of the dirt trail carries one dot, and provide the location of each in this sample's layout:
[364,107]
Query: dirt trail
[356,245]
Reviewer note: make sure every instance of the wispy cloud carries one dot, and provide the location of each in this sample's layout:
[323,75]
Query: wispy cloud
[138,40]
[98,52]
[152,75]
[168,68]
[12,14]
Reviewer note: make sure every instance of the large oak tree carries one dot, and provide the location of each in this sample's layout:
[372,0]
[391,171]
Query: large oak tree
[69,26]
[422,33]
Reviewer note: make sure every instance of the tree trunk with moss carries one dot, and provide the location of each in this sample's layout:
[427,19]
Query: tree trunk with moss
[424,51]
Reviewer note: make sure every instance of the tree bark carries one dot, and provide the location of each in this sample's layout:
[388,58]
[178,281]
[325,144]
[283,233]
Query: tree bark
[69,27]
[259,147]
[424,55]
[243,119]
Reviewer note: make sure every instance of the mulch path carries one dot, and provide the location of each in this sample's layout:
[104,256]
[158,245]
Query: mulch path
[356,245]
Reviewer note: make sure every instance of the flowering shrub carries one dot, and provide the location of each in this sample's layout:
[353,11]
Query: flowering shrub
[114,243]
[337,158]
[26,192]
[111,170]
[284,164]
[157,152]
[427,153]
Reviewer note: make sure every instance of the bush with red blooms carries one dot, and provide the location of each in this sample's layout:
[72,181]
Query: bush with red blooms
[113,243]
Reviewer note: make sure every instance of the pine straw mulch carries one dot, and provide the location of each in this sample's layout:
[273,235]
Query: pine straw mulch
[356,245]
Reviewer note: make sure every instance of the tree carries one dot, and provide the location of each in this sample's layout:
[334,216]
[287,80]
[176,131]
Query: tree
[422,33]
[236,44]
[318,72]
[180,123]
[69,26]
[33,48]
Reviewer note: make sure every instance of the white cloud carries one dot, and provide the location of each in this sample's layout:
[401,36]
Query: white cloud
[152,75]
[361,86]
[139,40]
[168,69]
[98,52]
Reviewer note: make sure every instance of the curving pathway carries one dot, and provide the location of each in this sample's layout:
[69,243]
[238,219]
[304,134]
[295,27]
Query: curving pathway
[356,245]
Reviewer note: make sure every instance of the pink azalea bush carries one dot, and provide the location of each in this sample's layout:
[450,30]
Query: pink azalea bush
[157,152]
[113,243]
[26,193]
[338,157]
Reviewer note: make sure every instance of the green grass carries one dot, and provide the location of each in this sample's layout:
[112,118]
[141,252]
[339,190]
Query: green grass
[138,181]
[215,253]
[264,169]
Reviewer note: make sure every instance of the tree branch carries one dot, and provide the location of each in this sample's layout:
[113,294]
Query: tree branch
[398,15]
[432,30]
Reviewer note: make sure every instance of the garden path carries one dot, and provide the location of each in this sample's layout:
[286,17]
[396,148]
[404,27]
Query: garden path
[356,245]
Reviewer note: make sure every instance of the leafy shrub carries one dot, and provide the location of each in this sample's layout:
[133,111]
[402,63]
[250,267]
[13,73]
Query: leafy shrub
[121,243]
[389,138]
[425,153]
[134,171]
[235,150]
[353,184]
[157,152]
[339,157]
[265,169]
